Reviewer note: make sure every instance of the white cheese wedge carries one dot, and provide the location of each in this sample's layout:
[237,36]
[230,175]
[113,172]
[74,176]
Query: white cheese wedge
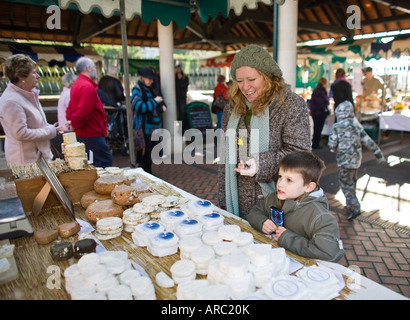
[77,163]
[76,149]
[69,138]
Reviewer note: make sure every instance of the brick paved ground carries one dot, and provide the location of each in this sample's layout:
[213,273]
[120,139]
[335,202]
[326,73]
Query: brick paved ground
[378,246]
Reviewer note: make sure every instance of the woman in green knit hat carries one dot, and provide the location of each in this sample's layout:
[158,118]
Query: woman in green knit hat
[264,121]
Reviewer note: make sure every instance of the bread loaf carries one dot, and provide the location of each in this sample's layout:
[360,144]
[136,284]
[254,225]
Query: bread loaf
[45,236]
[66,230]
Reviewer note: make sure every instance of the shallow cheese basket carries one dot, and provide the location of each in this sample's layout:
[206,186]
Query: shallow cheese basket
[41,278]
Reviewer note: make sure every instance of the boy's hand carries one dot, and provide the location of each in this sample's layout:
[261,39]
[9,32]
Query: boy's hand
[279,231]
[269,227]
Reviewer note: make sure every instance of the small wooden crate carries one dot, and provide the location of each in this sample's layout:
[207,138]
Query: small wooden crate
[75,183]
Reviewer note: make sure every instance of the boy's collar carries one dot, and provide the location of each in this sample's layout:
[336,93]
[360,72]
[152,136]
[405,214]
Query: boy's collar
[317,192]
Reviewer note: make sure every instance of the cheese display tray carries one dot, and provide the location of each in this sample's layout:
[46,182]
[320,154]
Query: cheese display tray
[43,278]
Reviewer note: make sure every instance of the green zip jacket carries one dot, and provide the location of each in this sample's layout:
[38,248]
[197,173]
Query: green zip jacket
[311,231]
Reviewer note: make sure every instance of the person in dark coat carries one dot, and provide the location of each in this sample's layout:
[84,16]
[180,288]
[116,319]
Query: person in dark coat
[181,89]
[318,110]
[341,89]
[112,87]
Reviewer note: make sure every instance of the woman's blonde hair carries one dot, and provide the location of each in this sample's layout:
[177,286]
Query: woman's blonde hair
[18,66]
[273,86]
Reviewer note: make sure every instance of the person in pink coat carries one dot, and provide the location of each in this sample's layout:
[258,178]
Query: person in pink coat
[27,132]
[67,80]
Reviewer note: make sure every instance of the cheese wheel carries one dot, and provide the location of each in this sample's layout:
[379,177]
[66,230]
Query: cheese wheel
[106,284]
[153,200]
[92,196]
[103,209]
[182,268]
[128,276]
[141,287]
[109,225]
[120,292]
[243,239]
[125,195]
[229,232]
[211,238]
[163,280]
[107,183]
[202,255]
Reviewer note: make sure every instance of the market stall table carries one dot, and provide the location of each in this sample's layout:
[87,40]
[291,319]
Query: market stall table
[41,278]
[390,120]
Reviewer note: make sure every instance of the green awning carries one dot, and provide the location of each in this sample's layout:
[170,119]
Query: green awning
[163,10]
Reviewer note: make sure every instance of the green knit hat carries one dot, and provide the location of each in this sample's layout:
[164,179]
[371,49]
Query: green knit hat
[256,57]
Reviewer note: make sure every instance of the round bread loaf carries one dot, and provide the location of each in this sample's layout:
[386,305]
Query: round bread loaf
[107,183]
[92,196]
[103,209]
[125,195]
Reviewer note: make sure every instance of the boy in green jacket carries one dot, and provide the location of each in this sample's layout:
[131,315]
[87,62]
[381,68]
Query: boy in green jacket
[298,212]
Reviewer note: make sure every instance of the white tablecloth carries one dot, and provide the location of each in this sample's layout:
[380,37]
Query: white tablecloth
[394,121]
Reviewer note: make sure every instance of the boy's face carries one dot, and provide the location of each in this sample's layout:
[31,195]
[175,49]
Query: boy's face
[290,185]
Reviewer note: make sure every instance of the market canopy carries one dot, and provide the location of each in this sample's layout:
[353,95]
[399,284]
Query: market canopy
[52,55]
[243,22]
[166,10]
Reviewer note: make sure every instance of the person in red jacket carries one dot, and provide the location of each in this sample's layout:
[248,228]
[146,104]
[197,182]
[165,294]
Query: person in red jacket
[221,88]
[86,113]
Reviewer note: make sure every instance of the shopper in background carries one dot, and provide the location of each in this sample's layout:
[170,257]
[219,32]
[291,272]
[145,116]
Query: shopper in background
[86,114]
[319,103]
[371,85]
[221,93]
[264,121]
[341,89]
[24,122]
[148,110]
[346,140]
[112,87]
[62,105]
[181,89]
